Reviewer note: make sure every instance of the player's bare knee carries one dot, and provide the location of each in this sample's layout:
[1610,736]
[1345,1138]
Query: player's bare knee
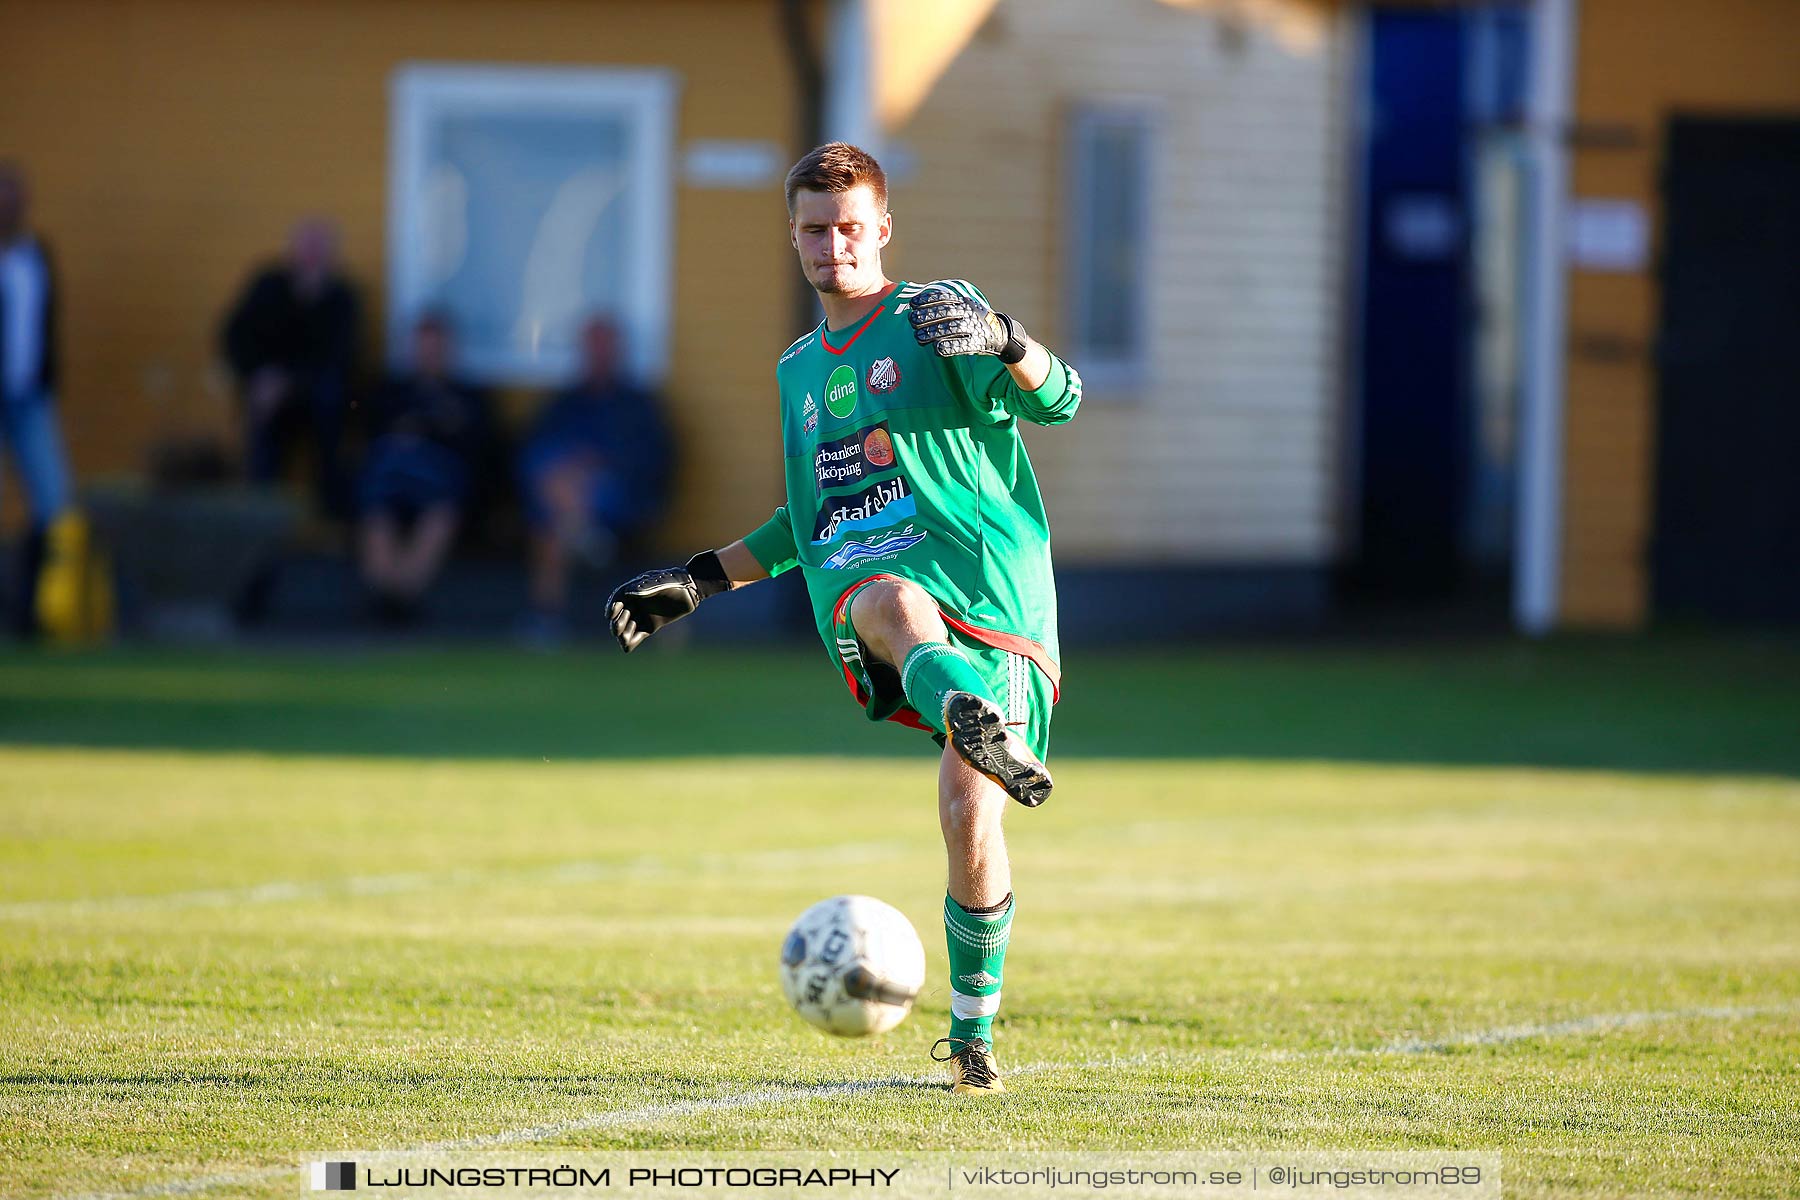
[892,613]
[961,812]
[969,803]
[900,602]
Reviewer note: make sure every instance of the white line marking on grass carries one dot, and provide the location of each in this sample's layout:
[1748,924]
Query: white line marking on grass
[671,1110]
[1505,1034]
[674,1110]
[362,886]
[678,1109]
[188,1187]
[1603,1023]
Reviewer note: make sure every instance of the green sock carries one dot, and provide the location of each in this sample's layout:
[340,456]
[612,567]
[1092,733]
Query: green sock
[931,671]
[977,961]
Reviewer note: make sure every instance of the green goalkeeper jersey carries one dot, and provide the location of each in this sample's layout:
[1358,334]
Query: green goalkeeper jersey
[900,462]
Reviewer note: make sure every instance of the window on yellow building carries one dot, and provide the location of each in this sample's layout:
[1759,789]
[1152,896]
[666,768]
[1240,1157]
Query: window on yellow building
[1106,258]
[524,199]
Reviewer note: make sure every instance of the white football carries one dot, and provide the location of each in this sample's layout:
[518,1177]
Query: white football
[852,965]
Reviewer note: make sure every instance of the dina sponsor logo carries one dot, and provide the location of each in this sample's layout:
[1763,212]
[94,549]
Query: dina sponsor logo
[882,545]
[840,391]
[853,458]
[886,502]
[884,376]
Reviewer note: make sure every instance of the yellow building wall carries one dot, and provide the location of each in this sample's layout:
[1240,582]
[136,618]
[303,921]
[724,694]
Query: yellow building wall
[915,42]
[1637,62]
[1228,450]
[171,143]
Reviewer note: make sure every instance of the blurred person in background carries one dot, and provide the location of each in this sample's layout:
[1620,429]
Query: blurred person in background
[291,341]
[433,436]
[595,473]
[28,425]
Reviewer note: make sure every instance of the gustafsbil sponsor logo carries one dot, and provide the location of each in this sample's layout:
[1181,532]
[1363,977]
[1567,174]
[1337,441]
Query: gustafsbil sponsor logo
[888,501]
[882,545]
[884,376]
[840,391]
[852,458]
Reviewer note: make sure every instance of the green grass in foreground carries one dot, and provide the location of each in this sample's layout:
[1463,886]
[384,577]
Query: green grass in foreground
[210,962]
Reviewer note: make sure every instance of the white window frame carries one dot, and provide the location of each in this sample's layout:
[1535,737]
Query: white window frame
[423,93]
[1099,368]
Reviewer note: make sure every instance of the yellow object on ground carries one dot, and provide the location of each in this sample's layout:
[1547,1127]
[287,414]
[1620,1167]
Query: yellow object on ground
[75,604]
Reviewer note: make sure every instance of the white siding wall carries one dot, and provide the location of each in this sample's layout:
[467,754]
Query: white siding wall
[1230,453]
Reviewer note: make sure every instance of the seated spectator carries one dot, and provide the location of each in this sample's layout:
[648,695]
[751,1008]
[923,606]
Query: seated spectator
[595,473]
[291,341]
[29,431]
[431,439]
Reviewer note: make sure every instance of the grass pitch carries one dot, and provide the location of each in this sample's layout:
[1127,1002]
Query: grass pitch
[1535,900]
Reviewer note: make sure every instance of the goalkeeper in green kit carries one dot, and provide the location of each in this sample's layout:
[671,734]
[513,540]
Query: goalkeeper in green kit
[913,512]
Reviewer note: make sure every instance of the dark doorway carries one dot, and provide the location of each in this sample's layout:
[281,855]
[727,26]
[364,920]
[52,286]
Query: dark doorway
[1442,181]
[1726,546]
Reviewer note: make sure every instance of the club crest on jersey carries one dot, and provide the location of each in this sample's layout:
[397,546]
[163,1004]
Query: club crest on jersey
[882,545]
[884,376]
[810,412]
[884,503]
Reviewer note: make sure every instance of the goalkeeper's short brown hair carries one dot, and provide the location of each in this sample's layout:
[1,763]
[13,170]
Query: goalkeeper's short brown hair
[837,167]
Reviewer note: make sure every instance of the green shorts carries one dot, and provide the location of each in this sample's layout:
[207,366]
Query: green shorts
[1020,683]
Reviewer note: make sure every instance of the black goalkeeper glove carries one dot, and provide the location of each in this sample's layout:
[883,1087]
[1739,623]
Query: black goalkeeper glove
[642,605]
[953,322]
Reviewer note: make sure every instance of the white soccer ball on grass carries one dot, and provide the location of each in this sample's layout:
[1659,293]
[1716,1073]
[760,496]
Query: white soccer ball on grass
[852,965]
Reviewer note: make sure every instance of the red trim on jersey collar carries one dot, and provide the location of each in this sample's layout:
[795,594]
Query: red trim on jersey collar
[824,333]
